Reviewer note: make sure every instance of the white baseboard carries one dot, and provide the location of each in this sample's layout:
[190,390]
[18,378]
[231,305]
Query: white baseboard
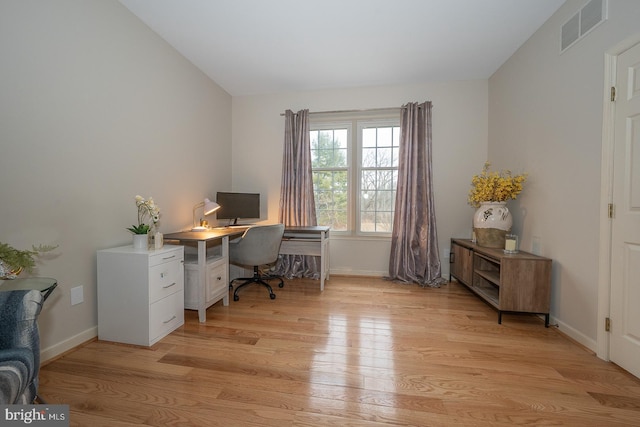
[367,273]
[575,335]
[345,272]
[66,345]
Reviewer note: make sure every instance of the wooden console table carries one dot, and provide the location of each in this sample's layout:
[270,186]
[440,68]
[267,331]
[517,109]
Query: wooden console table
[519,282]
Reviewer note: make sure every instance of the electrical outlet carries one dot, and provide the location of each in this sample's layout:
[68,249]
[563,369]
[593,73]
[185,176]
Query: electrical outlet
[77,295]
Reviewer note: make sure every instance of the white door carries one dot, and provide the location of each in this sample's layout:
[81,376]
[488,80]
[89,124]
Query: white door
[625,250]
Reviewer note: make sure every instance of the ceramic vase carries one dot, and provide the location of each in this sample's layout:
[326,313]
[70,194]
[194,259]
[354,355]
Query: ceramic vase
[491,222]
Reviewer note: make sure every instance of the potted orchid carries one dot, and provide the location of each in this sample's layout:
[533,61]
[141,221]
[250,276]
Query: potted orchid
[148,215]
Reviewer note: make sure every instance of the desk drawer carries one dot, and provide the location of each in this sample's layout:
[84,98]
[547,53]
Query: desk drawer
[301,247]
[167,256]
[165,316]
[217,281]
[165,279]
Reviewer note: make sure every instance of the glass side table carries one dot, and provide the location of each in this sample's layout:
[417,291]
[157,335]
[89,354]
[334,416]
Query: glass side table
[45,285]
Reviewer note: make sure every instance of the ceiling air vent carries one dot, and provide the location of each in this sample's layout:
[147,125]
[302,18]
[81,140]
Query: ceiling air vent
[580,24]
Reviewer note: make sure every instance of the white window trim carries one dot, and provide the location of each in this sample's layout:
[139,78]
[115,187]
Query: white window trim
[354,161]
[362,124]
[330,125]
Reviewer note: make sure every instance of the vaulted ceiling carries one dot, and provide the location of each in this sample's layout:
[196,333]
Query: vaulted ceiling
[254,47]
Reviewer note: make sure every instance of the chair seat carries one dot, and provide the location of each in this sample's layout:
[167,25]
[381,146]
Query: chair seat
[16,375]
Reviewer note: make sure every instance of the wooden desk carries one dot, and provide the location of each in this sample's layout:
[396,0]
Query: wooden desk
[296,241]
[202,238]
[311,240]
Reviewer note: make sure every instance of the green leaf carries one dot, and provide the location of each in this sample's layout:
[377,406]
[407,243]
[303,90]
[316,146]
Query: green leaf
[139,229]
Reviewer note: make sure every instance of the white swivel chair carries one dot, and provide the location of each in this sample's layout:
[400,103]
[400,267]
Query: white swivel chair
[258,246]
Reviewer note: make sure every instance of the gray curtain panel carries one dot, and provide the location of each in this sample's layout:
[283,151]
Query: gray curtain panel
[414,241]
[297,205]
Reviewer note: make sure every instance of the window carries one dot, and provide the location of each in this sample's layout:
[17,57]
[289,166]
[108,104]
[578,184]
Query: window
[378,165]
[355,179]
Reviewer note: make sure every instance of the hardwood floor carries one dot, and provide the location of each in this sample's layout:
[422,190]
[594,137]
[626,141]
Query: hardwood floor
[365,352]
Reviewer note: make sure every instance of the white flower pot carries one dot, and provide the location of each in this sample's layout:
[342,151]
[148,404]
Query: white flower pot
[491,222]
[141,241]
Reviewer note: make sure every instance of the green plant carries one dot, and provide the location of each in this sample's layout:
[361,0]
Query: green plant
[139,229]
[17,260]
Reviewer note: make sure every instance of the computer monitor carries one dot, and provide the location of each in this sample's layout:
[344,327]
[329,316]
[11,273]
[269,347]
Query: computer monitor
[234,206]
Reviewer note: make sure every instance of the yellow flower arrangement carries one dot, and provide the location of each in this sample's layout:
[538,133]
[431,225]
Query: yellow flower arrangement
[494,186]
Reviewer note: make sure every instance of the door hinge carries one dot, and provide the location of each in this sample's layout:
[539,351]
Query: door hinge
[607,324]
[613,93]
[610,208]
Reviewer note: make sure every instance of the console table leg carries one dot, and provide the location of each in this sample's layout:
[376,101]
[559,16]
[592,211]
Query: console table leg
[546,320]
[499,317]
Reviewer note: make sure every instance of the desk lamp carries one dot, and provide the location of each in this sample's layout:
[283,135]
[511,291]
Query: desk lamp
[209,208]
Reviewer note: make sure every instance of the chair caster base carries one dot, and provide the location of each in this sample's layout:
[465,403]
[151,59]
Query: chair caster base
[257,278]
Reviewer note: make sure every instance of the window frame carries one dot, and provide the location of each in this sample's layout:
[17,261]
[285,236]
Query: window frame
[355,124]
[367,124]
[333,125]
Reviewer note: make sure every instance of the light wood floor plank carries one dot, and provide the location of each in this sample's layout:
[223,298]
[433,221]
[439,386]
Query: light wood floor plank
[365,352]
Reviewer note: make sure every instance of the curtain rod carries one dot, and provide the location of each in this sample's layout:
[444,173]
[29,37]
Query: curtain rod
[368,110]
[350,111]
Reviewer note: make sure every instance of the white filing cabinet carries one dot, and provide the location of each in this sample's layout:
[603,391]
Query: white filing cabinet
[140,293]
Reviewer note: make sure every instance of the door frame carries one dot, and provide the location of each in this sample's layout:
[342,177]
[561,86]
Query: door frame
[606,194]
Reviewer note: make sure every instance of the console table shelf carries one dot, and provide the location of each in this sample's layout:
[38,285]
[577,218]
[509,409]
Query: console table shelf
[490,294]
[491,276]
[519,282]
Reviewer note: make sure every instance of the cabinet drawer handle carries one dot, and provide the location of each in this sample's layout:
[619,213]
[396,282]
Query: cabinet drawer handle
[168,286]
[167,321]
[169,257]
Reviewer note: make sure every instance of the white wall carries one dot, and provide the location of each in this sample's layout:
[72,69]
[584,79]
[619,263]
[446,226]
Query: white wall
[94,109]
[545,118]
[459,151]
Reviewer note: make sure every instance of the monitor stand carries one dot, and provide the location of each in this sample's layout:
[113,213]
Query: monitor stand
[234,224]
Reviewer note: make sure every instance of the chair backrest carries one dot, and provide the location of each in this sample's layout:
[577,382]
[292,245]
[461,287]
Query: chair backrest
[258,246]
